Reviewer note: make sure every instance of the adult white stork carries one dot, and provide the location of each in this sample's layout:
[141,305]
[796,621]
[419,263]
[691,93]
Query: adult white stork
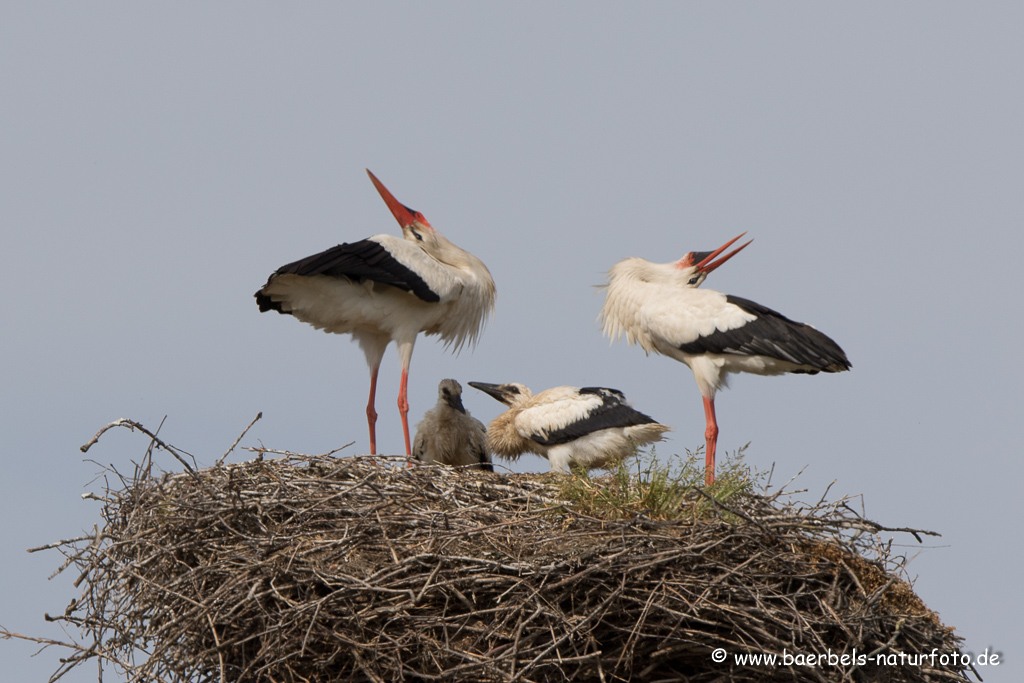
[589,427]
[658,306]
[448,434]
[386,288]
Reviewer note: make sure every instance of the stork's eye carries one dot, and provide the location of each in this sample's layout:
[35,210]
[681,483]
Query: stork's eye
[418,235]
[693,280]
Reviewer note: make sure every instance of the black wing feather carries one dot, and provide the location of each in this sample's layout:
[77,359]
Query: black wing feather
[358,261]
[776,336]
[485,464]
[613,412]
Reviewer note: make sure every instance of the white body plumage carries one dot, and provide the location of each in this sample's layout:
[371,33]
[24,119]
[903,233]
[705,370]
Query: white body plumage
[457,296]
[658,307]
[588,427]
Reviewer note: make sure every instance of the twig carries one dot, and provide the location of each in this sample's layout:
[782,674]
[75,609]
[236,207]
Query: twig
[244,431]
[132,425]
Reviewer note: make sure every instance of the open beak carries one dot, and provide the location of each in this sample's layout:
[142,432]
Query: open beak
[402,213]
[499,392]
[704,261]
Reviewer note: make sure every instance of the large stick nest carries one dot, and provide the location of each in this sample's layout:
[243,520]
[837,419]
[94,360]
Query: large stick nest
[316,568]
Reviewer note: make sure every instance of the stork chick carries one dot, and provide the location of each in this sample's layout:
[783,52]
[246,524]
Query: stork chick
[588,427]
[449,435]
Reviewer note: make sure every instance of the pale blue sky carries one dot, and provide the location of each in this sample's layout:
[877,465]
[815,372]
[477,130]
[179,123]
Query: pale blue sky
[157,162]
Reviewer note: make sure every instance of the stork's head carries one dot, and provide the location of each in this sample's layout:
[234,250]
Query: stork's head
[510,394]
[415,227]
[696,265]
[450,392]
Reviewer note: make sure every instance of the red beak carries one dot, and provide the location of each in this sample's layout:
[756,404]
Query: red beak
[402,213]
[705,261]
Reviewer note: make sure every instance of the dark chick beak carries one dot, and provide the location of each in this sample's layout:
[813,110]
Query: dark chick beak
[498,392]
[455,401]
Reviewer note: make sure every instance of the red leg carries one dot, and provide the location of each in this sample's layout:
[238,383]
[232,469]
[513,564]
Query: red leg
[710,439]
[371,414]
[403,408]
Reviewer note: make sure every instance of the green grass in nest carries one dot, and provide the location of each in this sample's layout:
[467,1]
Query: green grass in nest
[660,489]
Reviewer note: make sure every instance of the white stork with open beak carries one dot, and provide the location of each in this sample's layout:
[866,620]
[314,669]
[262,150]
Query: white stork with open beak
[658,306]
[589,427]
[449,435]
[386,288]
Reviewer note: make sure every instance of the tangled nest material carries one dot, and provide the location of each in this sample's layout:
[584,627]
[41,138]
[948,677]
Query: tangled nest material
[317,568]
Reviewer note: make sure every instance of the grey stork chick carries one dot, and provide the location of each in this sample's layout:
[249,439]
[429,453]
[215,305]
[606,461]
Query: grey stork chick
[589,427]
[449,435]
